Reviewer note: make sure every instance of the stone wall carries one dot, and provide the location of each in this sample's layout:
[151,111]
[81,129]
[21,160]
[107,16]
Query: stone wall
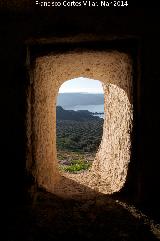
[114,70]
[19,22]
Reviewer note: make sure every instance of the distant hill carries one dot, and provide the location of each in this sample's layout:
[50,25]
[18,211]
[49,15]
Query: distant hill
[80,115]
[78,131]
[68,99]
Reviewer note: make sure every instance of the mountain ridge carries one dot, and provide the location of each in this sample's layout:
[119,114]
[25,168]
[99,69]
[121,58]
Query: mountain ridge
[68,99]
[80,115]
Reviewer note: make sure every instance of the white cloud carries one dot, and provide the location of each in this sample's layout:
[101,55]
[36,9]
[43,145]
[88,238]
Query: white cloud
[81,85]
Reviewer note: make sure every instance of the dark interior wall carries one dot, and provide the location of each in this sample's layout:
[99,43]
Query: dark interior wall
[20,24]
[150,118]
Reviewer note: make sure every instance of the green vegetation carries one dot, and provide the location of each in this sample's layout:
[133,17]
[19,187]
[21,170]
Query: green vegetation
[76,166]
[74,162]
[79,136]
[77,140]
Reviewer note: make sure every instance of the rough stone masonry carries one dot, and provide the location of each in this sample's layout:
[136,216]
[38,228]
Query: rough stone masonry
[109,169]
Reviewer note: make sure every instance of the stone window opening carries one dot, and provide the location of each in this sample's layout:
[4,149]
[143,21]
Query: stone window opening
[109,170]
[79,124]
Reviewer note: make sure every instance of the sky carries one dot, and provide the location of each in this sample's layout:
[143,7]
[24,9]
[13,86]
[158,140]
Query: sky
[81,84]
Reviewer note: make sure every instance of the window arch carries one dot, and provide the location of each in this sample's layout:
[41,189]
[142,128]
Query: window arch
[114,70]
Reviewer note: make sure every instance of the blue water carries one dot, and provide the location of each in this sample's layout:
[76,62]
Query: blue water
[91,108]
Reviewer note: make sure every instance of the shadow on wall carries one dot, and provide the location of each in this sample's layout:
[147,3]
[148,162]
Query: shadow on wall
[54,218]
[114,69]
